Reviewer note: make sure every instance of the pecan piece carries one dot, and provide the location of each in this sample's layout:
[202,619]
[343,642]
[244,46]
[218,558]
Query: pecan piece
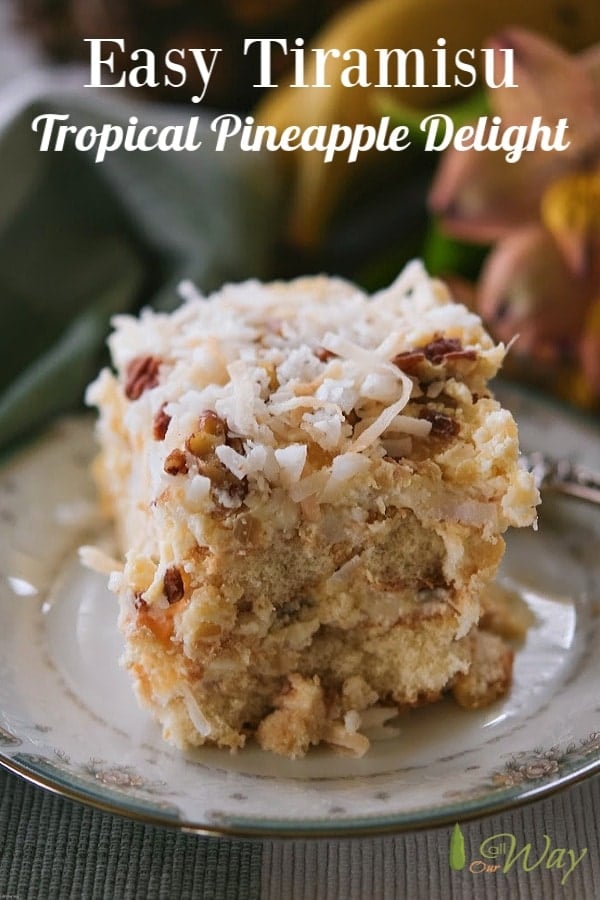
[214,469]
[409,361]
[160,424]
[173,584]
[176,463]
[141,374]
[236,444]
[440,349]
[324,355]
[212,423]
[441,424]
[212,431]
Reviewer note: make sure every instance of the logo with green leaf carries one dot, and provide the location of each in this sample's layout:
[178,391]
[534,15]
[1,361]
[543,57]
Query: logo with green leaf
[500,852]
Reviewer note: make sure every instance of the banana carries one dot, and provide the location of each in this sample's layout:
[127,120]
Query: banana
[406,24]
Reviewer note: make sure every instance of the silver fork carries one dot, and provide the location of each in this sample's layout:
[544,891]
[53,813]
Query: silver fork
[563,476]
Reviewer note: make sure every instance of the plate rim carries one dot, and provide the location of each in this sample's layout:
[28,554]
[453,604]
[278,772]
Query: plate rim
[308,829]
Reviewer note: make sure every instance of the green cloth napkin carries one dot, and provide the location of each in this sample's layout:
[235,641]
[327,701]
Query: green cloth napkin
[81,241]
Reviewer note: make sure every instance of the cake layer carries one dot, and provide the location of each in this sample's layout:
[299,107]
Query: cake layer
[310,488]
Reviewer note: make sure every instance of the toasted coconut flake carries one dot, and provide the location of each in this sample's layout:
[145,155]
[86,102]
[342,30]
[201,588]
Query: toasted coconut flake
[98,561]
[382,386]
[410,425]
[232,460]
[197,491]
[291,462]
[384,420]
[377,716]
[348,465]
[352,744]
[200,722]
[352,721]
[284,406]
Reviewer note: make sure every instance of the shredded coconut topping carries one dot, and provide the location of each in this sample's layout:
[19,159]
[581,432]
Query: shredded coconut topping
[300,373]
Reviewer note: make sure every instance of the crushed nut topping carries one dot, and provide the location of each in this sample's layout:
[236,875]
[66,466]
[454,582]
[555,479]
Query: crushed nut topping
[324,355]
[141,374]
[214,469]
[173,584]
[212,423]
[211,432]
[176,463]
[237,444]
[409,360]
[200,443]
[437,351]
[160,424]
[441,348]
[440,424]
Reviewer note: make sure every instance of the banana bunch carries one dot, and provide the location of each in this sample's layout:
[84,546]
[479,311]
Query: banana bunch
[372,24]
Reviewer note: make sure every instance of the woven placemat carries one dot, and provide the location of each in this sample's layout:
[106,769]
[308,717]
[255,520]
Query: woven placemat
[54,848]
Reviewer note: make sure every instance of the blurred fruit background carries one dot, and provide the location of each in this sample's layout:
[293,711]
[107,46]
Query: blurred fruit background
[520,243]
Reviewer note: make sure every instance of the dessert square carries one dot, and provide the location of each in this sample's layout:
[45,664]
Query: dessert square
[310,488]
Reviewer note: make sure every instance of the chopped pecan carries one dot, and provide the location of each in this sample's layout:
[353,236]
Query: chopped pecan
[437,351]
[200,443]
[160,424]
[173,584]
[223,482]
[409,361]
[214,469]
[324,355]
[236,444]
[176,463]
[441,348]
[441,424]
[212,423]
[212,431]
[141,374]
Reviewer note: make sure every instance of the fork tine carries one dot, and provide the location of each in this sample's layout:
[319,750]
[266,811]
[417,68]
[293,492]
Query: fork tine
[563,476]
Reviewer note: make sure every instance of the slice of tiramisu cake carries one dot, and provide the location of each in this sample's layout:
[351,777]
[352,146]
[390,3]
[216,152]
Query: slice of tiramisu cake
[310,487]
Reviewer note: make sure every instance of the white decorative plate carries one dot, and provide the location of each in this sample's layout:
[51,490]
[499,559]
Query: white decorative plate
[69,721]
